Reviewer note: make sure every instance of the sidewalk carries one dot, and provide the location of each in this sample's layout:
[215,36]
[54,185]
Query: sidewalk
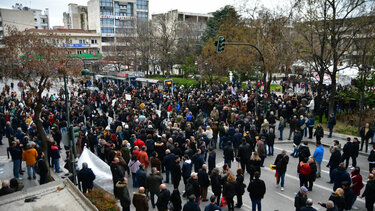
[325,140]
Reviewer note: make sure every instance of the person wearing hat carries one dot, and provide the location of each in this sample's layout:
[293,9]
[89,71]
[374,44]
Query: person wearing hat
[300,198]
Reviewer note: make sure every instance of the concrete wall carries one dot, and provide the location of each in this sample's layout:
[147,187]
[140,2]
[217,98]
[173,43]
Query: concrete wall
[21,20]
[93,12]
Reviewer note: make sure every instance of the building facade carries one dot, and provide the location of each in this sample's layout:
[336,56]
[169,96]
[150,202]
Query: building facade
[76,17]
[115,18]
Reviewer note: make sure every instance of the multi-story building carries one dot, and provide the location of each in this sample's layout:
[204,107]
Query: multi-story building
[115,19]
[196,21]
[76,17]
[41,18]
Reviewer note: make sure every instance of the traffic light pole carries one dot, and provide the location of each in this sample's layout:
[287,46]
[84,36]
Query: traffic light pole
[264,67]
[72,145]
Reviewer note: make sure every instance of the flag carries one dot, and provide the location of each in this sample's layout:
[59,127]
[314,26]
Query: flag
[233,91]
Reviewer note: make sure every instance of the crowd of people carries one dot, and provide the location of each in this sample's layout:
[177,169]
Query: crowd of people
[167,135]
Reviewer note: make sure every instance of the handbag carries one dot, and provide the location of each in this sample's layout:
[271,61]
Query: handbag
[223,202]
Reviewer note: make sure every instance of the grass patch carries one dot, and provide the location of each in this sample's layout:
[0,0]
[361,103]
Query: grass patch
[180,81]
[103,200]
[276,87]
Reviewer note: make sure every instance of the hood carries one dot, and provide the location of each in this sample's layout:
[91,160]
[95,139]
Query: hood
[121,185]
[188,161]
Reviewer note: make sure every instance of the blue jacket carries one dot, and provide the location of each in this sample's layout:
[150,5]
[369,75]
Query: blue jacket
[191,206]
[237,139]
[167,160]
[297,138]
[212,207]
[141,177]
[338,176]
[318,153]
[186,168]
[311,122]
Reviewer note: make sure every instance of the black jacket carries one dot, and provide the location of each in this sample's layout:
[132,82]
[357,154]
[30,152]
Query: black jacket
[163,200]
[334,160]
[319,132]
[303,152]
[228,153]
[299,200]
[176,200]
[211,160]
[87,177]
[347,150]
[281,163]
[176,171]
[229,190]
[338,201]
[216,184]
[253,166]
[348,197]
[192,187]
[314,169]
[244,152]
[15,152]
[355,149]
[123,193]
[369,192]
[117,174]
[256,188]
[203,179]
[240,187]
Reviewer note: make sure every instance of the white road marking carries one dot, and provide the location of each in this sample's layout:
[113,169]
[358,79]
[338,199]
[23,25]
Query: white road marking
[291,199]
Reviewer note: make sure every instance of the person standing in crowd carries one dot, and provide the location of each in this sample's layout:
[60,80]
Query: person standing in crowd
[212,206]
[152,184]
[348,195]
[312,175]
[187,167]
[257,190]
[143,158]
[211,159]
[333,162]
[338,199]
[117,175]
[204,182]
[371,158]
[366,133]
[270,142]
[347,152]
[167,161]
[304,171]
[141,176]
[30,155]
[296,142]
[122,187]
[261,149]
[319,132]
[176,200]
[331,124]
[281,163]
[303,151]
[355,152]
[155,161]
[190,205]
[229,191]
[228,154]
[310,124]
[140,201]
[55,155]
[16,154]
[293,126]
[308,207]
[300,198]
[329,205]
[163,198]
[134,166]
[43,169]
[281,127]
[340,175]
[192,187]
[240,187]
[254,165]
[86,176]
[244,153]
[369,193]
[176,171]
[216,184]
[357,182]
[318,156]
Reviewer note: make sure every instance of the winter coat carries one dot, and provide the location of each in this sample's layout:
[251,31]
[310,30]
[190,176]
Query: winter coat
[191,206]
[176,171]
[334,160]
[228,153]
[211,160]
[240,187]
[117,174]
[87,177]
[167,160]
[281,163]
[355,149]
[229,190]
[140,202]
[257,189]
[153,181]
[319,132]
[253,166]
[55,152]
[203,179]
[30,155]
[123,193]
[186,168]
[368,135]
[143,158]
[15,152]
[357,183]
[318,153]
[216,184]
[347,150]
[244,152]
[261,148]
[297,138]
[313,171]
[338,201]
[348,198]
[299,200]
[141,177]
[163,199]
[331,122]
[369,192]
[338,176]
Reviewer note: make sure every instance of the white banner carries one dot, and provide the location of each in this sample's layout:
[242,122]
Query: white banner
[101,169]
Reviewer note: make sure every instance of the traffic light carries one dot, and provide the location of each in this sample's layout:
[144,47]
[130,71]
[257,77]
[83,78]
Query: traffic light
[73,133]
[220,44]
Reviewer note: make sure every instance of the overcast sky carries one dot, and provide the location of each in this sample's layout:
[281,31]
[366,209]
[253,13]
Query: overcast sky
[57,7]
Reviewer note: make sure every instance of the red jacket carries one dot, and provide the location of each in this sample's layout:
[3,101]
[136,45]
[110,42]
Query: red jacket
[304,168]
[139,143]
[357,183]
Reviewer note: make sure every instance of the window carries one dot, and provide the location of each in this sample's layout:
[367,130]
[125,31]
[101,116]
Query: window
[80,41]
[94,41]
[107,30]
[124,23]
[106,3]
[142,4]
[130,9]
[142,15]
[79,52]
[106,12]
[106,21]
